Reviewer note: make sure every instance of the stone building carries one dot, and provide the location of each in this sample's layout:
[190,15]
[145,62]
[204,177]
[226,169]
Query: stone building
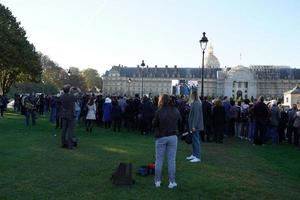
[240,81]
[292,97]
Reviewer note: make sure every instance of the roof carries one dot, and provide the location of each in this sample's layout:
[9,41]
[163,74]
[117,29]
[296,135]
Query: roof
[295,90]
[164,72]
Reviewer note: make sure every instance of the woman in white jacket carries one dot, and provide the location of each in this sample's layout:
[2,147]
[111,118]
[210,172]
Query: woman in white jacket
[91,115]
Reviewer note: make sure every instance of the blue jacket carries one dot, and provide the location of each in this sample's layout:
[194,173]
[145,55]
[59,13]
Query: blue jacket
[107,108]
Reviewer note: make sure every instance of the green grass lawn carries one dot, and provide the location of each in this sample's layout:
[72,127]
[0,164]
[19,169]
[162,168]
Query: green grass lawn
[33,166]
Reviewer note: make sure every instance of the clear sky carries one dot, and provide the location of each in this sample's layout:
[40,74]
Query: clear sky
[102,33]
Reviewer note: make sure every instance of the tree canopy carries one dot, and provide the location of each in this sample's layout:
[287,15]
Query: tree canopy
[19,60]
[92,79]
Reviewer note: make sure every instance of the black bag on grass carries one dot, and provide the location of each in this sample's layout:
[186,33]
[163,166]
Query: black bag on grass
[123,175]
[187,137]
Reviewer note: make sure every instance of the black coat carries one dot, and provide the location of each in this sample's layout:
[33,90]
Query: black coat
[116,112]
[218,116]
[207,109]
[147,110]
[166,121]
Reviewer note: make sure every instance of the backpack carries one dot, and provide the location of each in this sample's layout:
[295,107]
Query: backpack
[123,175]
[245,114]
[234,113]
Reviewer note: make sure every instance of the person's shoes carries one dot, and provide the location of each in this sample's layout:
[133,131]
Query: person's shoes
[195,160]
[157,184]
[172,185]
[190,157]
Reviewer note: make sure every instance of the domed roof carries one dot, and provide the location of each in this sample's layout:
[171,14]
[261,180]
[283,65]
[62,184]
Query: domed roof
[211,61]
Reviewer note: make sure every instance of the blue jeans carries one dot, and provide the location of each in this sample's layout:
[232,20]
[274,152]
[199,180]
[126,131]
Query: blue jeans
[251,130]
[53,115]
[29,114]
[77,114]
[273,134]
[196,144]
[162,145]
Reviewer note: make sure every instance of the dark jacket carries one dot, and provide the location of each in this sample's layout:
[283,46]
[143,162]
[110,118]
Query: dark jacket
[67,110]
[207,107]
[218,116]
[261,112]
[116,111]
[147,110]
[166,121]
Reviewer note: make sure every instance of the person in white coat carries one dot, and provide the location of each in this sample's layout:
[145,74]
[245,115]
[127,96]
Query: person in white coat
[91,115]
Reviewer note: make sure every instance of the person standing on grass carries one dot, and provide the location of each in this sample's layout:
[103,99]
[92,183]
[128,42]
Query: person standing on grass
[30,109]
[218,120]
[67,114]
[116,115]
[107,108]
[165,123]
[3,104]
[261,114]
[196,125]
[91,114]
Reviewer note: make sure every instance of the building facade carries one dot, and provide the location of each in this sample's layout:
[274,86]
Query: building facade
[240,81]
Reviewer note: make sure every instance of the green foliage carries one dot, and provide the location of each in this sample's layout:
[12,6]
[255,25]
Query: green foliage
[52,73]
[92,79]
[33,166]
[75,79]
[18,59]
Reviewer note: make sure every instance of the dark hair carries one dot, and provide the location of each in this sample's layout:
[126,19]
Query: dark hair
[67,88]
[163,101]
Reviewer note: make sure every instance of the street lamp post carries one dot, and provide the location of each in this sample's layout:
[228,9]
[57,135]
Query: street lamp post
[142,65]
[203,44]
[129,81]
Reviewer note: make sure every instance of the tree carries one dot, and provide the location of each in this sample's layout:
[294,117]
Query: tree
[75,79]
[18,59]
[52,73]
[92,79]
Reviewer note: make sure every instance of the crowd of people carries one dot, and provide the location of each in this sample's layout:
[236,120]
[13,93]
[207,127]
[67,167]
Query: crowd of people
[258,122]
[166,117]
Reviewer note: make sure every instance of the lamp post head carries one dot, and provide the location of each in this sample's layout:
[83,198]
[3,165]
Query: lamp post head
[203,41]
[143,63]
[69,72]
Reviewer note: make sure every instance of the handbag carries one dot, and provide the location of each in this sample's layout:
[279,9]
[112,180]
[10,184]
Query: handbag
[187,137]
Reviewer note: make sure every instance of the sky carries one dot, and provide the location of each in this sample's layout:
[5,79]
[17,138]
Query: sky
[101,33]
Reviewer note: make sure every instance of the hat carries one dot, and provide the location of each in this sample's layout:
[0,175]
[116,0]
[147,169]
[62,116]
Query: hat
[107,100]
